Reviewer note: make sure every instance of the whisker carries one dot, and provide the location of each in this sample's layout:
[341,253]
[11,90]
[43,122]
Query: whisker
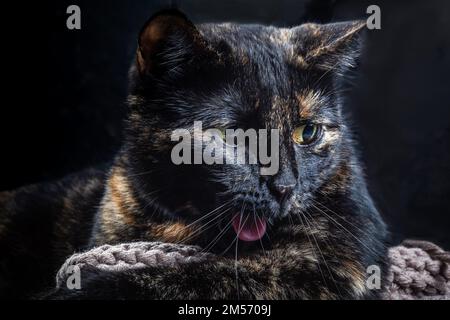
[323,257]
[202,228]
[311,222]
[313,250]
[208,214]
[218,237]
[140,173]
[260,240]
[236,253]
[341,217]
[343,228]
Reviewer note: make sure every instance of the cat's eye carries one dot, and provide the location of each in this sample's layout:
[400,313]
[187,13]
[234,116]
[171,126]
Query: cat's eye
[222,133]
[306,134]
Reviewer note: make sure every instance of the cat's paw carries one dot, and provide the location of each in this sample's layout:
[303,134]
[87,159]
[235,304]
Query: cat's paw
[129,256]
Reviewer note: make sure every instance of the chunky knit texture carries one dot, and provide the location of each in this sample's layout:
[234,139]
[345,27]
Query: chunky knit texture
[131,256]
[418,269]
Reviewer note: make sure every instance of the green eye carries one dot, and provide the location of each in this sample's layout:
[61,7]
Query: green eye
[222,133]
[306,134]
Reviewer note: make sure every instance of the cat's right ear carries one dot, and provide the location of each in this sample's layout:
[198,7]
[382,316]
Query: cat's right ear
[329,47]
[166,42]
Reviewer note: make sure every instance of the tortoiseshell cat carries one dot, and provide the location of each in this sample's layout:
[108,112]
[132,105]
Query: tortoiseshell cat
[314,228]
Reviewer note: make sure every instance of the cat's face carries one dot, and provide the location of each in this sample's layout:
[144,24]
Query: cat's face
[239,77]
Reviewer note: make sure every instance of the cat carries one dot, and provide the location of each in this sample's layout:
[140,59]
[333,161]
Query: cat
[308,232]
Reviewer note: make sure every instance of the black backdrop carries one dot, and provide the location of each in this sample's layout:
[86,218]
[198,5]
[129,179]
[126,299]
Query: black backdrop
[63,94]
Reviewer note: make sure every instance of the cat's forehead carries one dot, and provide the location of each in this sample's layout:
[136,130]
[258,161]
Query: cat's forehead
[258,54]
[266,57]
[252,39]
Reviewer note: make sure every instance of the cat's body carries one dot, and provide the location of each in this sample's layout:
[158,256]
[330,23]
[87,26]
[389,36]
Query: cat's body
[323,230]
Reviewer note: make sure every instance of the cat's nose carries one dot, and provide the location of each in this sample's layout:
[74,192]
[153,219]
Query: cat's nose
[282,184]
[281,191]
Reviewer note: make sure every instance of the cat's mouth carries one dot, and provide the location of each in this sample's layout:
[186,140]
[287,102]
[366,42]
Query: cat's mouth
[249,228]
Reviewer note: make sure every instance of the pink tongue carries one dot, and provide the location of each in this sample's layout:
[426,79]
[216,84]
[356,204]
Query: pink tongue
[249,228]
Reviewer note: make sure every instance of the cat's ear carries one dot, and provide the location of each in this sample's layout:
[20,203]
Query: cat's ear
[328,47]
[166,42]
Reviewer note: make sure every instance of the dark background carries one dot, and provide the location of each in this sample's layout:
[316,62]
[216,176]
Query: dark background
[63,95]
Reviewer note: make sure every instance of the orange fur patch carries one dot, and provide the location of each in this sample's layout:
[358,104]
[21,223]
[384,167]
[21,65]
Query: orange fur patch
[308,101]
[121,197]
[172,232]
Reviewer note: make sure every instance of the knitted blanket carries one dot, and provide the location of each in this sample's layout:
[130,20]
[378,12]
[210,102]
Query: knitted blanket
[418,269]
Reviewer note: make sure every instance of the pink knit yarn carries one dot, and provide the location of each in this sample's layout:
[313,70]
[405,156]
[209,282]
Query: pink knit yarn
[418,270]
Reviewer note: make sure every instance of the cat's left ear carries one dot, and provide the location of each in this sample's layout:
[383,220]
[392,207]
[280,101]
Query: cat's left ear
[328,47]
[167,42]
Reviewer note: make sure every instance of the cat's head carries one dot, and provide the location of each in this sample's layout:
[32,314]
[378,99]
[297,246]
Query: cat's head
[231,76]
